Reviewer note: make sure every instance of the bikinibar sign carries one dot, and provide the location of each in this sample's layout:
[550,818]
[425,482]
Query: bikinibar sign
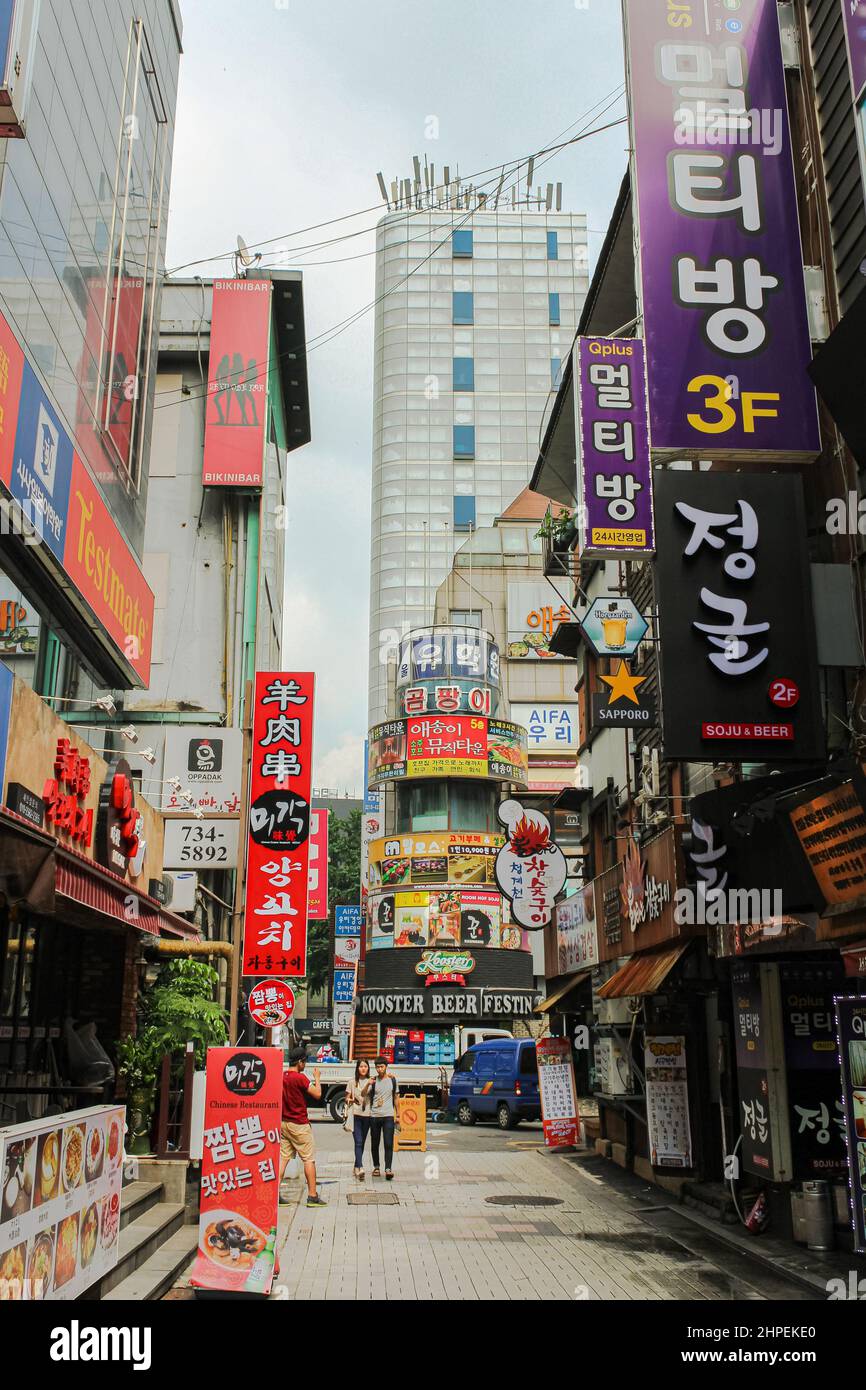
[237,392]
[240,1170]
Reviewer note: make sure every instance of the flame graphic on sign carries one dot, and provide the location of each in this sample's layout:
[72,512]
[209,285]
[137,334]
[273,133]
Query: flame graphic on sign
[528,838]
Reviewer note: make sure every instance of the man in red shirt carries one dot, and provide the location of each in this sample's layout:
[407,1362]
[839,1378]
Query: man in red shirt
[296,1133]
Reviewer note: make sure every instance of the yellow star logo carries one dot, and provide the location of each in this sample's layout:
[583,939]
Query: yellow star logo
[623,686]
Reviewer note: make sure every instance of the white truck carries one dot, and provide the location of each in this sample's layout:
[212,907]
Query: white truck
[432,1080]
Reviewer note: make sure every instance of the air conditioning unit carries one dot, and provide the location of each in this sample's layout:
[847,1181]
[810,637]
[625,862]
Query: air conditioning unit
[18,33]
[612,1066]
[614,1011]
[181,888]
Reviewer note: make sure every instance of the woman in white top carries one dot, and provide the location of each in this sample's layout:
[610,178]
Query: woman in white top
[358,1101]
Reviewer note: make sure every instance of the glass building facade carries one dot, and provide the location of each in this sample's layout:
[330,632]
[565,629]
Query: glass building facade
[471,325]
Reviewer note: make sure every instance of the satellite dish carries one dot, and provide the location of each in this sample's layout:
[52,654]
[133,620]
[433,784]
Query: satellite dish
[244,256]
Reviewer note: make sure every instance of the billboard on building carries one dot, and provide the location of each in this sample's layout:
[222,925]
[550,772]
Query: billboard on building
[318,906]
[237,392]
[550,728]
[448,746]
[278,851]
[720,256]
[616,519]
[535,612]
[746,639]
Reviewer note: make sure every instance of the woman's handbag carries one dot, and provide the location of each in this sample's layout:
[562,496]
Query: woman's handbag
[349,1122]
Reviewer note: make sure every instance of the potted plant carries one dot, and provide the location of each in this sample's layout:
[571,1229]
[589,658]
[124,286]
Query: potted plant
[560,530]
[138,1062]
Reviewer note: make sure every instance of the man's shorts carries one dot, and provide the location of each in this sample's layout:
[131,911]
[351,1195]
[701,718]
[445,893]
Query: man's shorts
[297,1139]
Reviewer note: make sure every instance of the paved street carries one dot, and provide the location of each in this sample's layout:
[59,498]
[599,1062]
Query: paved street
[444,1238]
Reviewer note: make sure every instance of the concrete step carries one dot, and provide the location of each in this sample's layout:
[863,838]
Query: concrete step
[140,1240]
[159,1272]
[137,1198]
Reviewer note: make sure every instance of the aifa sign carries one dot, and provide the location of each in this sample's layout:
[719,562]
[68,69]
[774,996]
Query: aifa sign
[733,590]
[720,258]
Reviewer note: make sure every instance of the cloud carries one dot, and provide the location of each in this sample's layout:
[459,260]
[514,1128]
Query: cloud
[342,767]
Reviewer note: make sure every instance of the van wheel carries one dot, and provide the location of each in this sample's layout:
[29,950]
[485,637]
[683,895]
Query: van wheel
[337,1106]
[464,1113]
[504,1117]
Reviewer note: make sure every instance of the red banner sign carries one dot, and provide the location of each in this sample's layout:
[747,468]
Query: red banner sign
[240,1170]
[278,854]
[318,910]
[271,1003]
[237,393]
[558,1092]
[102,568]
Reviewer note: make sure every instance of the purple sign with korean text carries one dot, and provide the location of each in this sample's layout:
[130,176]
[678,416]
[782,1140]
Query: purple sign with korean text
[721,263]
[855,33]
[616,518]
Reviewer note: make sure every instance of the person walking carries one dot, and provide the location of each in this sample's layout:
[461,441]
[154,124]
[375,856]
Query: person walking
[358,1102]
[383,1110]
[296,1132]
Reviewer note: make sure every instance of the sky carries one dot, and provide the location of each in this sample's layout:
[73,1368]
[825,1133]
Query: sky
[287,110]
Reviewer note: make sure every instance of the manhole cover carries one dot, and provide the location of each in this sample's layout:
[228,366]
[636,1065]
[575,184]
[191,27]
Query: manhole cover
[372,1199]
[517,1201]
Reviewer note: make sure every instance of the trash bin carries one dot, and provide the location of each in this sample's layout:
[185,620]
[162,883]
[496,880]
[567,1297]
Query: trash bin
[818,1212]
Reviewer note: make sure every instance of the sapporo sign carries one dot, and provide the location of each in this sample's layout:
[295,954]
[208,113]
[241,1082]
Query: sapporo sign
[277,887]
[721,263]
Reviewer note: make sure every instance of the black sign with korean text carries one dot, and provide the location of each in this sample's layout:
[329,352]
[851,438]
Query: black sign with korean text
[734,597]
[816,1114]
[752,1080]
[851,1025]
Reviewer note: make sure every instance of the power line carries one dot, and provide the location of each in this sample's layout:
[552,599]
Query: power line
[329,334]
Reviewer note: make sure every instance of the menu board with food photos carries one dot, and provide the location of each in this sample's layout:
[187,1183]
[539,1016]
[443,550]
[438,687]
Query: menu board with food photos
[60,1203]
[667,1102]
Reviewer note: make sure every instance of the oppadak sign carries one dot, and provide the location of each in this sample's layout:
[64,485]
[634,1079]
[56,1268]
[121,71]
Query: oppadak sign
[721,262]
[237,392]
[732,574]
[278,853]
[616,519]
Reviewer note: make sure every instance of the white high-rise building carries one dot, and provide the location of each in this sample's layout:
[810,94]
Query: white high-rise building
[475,312]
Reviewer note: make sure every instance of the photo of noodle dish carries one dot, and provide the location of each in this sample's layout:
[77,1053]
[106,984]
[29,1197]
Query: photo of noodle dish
[66,1255]
[231,1241]
[40,1263]
[72,1166]
[12,1274]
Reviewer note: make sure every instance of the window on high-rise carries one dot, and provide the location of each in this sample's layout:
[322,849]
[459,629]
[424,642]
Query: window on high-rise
[553,246]
[465,617]
[555,371]
[462,244]
[464,441]
[554,308]
[464,514]
[464,374]
[463,307]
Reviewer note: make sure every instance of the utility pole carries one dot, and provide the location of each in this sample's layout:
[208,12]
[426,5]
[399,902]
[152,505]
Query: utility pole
[237,928]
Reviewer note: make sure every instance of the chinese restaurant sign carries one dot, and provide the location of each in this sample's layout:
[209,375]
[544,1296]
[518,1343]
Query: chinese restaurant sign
[271,1003]
[667,1102]
[39,468]
[60,1203]
[530,869]
[616,518]
[237,392]
[448,746]
[746,639]
[560,1120]
[855,33]
[851,1027]
[240,1170]
[721,263]
[318,875]
[278,855]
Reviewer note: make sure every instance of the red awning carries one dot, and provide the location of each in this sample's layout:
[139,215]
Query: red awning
[854,959]
[81,881]
[642,974]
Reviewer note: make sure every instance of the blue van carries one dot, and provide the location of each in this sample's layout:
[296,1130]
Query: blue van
[496,1080]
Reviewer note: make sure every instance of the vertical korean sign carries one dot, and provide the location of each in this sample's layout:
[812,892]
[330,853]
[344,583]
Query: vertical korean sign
[559,1115]
[721,263]
[616,518]
[278,854]
[240,1170]
[237,392]
[855,35]
[851,1026]
[318,909]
